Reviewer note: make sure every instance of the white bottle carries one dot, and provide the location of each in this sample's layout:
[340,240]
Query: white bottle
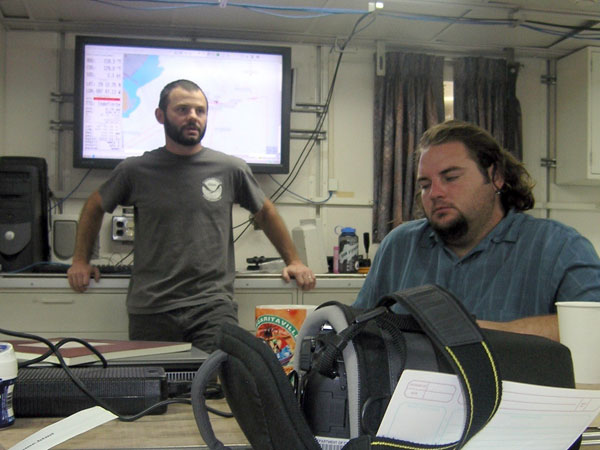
[8,376]
[348,242]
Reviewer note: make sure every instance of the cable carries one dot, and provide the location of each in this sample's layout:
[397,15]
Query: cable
[305,152]
[73,190]
[64,365]
[561,34]
[59,344]
[54,349]
[124,257]
[287,16]
[218,413]
[567,27]
[36,264]
[315,12]
[312,139]
[241,224]
[152,408]
[171,4]
[248,223]
[307,200]
[116,4]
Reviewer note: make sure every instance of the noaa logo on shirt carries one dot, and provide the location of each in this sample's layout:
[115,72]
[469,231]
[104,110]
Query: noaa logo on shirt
[212,189]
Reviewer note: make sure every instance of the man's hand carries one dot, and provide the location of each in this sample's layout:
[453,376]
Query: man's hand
[305,278]
[546,326]
[88,227]
[272,224]
[79,275]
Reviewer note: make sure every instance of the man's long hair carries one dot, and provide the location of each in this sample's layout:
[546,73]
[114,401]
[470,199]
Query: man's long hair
[487,152]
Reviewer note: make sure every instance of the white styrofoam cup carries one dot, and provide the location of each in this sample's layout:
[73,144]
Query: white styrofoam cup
[579,329]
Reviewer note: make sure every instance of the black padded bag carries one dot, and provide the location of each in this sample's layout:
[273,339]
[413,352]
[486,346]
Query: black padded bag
[258,392]
[438,335]
[517,357]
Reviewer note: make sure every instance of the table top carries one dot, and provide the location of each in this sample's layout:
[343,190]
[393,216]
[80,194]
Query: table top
[174,429]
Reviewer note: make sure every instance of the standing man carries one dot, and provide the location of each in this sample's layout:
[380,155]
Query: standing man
[181,287]
[508,268]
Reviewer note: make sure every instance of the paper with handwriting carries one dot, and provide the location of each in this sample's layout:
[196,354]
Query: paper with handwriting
[427,407]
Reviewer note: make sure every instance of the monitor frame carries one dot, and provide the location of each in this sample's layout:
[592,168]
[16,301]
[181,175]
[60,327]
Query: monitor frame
[80,161]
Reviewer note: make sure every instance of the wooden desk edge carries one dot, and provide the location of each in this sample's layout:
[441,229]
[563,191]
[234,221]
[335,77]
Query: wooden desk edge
[174,429]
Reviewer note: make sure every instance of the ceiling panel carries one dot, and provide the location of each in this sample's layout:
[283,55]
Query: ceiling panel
[447,25]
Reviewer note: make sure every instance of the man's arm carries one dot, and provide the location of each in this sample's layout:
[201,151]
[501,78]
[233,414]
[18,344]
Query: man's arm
[269,220]
[546,326]
[88,227]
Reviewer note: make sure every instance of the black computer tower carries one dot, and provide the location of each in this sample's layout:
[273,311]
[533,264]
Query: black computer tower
[23,212]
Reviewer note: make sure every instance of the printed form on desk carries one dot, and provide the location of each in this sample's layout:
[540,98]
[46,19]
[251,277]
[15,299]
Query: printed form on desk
[427,407]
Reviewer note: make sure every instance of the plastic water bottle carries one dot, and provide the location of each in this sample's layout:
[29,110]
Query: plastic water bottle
[348,243]
[336,259]
[8,375]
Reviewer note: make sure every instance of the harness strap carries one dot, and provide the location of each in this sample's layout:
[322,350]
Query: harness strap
[455,334]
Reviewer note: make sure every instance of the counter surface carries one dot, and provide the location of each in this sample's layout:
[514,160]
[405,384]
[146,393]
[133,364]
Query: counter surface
[176,429]
[242,280]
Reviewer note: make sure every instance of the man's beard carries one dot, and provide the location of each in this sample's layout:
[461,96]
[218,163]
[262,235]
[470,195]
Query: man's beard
[177,134]
[452,232]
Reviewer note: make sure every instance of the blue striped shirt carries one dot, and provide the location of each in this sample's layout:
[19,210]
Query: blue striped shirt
[520,269]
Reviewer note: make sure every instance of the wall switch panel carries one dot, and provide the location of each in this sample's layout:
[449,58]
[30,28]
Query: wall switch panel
[123,228]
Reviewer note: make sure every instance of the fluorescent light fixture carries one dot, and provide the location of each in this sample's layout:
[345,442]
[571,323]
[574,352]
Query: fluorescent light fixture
[375,5]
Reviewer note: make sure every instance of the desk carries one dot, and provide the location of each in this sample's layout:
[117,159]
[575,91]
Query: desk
[176,429]
[591,439]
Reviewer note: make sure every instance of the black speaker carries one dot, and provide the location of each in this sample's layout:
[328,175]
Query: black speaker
[63,234]
[23,212]
[49,392]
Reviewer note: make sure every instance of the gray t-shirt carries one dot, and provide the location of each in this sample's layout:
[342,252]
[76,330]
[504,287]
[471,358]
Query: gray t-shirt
[183,249]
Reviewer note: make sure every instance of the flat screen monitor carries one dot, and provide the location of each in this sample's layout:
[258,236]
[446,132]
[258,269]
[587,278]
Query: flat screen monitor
[118,83]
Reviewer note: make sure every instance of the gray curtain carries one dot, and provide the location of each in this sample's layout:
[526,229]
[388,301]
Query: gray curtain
[408,100]
[485,94]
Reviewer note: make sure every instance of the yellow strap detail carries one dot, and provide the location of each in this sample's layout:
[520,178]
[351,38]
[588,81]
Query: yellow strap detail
[409,447]
[469,391]
[496,379]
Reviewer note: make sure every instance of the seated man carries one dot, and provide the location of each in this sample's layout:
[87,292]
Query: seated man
[508,268]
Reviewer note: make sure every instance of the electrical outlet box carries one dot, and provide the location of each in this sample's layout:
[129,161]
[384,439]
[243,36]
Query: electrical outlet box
[123,228]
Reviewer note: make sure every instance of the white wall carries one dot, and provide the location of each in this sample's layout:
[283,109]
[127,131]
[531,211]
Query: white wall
[575,206]
[35,67]
[346,157]
[39,64]
[30,77]
[532,95]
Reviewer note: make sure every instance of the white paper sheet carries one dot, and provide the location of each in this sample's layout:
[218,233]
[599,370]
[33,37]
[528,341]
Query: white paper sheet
[65,429]
[427,407]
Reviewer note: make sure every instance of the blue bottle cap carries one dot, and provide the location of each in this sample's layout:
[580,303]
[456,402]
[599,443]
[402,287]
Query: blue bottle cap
[348,230]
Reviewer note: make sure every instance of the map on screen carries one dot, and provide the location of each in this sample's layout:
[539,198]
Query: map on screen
[122,84]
